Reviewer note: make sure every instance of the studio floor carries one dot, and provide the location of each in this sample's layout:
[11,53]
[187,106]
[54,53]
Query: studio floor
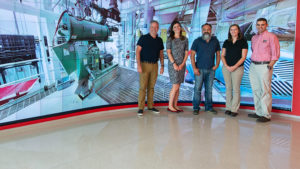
[119,139]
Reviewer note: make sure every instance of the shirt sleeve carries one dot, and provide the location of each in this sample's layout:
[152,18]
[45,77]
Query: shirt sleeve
[141,41]
[194,45]
[252,43]
[161,44]
[218,48]
[225,44]
[169,43]
[245,44]
[275,47]
[186,45]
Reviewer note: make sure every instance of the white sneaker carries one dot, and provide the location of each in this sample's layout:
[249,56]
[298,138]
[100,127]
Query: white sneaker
[140,112]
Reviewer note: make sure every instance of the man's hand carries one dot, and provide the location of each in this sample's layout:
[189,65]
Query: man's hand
[161,70]
[196,72]
[269,67]
[139,69]
[215,67]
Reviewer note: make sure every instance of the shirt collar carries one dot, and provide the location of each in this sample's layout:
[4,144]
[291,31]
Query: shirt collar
[152,37]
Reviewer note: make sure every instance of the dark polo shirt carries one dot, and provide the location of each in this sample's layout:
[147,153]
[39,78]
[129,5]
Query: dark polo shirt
[205,52]
[151,48]
[234,51]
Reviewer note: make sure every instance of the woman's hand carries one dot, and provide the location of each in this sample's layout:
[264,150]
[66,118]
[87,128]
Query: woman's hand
[175,67]
[231,68]
[181,66]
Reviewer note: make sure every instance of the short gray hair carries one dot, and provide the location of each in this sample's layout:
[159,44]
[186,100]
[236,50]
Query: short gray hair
[154,21]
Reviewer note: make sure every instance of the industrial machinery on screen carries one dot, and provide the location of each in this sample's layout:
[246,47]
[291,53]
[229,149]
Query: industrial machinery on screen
[17,55]
[66,55]
[76,44]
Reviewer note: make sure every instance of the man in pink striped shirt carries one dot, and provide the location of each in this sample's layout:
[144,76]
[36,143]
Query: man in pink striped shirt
[265,52]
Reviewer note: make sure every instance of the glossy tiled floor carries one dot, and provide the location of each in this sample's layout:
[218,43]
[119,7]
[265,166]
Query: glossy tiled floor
[120,140]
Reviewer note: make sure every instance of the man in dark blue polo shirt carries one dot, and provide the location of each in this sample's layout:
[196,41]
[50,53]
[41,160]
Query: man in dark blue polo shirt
[206,48]
[149,49]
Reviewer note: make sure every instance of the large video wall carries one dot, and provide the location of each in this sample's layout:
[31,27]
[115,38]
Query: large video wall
[69,55]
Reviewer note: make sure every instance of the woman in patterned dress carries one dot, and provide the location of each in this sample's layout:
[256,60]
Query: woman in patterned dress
[177,50]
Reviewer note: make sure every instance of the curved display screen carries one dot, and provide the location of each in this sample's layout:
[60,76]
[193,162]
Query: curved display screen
[69,55]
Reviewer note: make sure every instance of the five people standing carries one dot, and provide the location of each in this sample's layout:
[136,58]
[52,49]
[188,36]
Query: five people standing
[265,52]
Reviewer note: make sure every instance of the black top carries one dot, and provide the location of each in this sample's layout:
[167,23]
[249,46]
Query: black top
[206,52]
[151,48]
[234,51]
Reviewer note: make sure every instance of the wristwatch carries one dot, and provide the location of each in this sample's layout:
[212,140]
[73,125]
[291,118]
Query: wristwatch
[173,62]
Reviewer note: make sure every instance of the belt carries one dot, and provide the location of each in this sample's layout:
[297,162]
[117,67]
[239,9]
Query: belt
[148,62]
[260,63]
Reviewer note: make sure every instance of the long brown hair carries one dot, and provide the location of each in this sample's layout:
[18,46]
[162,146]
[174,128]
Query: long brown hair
[240,35]
[172,33]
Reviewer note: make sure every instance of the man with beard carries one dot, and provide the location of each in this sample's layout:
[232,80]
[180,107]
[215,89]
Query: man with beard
[206,47]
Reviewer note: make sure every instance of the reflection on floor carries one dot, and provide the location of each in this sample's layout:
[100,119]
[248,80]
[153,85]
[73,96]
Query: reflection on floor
[119,139]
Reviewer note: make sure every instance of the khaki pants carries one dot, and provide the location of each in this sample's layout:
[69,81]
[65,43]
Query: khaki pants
[147,82]
[233,91]
[260,79]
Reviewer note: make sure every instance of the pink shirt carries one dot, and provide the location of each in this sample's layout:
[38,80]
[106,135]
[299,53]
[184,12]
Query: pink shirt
[265,47]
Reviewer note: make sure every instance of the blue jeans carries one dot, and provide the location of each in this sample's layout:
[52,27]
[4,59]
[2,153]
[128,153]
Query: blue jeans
[206,77]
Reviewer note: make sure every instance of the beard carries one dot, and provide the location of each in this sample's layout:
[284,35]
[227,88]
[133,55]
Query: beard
[206,36]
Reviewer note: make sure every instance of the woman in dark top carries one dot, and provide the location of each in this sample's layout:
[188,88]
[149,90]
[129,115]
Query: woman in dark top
[234,53]
[177,50]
